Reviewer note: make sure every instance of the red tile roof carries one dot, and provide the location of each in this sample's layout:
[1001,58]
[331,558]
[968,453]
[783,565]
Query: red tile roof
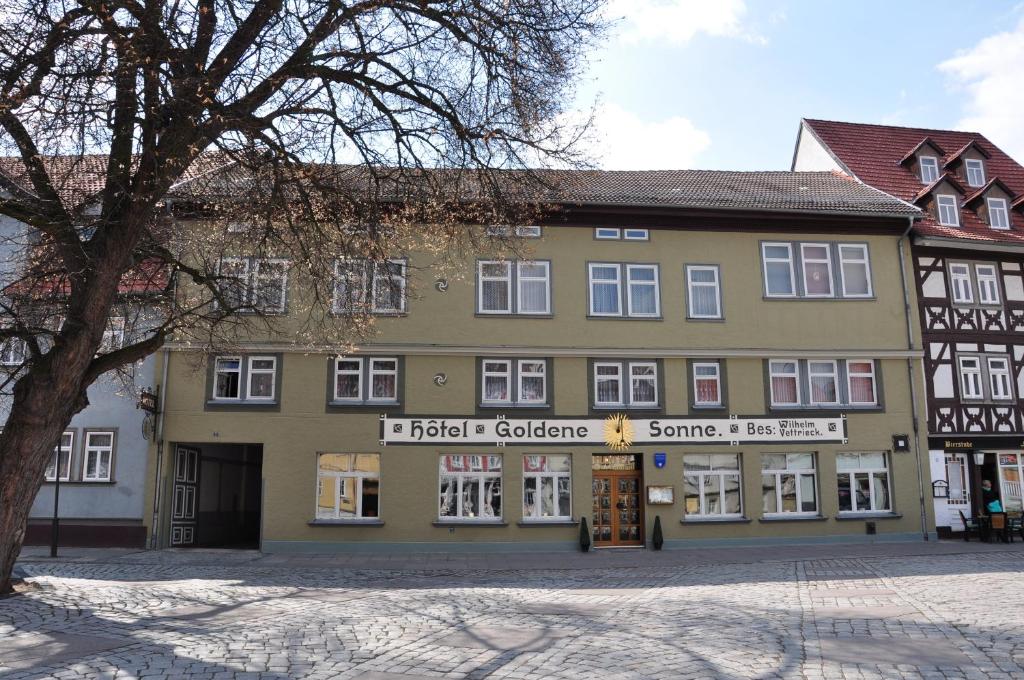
[873,154]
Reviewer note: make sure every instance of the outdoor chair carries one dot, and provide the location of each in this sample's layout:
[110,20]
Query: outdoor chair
[1000,526]
[970,525]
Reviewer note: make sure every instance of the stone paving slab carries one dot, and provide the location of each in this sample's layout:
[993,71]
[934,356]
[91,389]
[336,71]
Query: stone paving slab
[849,593]
[891,612]
[503,639]
[382,675]
[890,652]
[33,650]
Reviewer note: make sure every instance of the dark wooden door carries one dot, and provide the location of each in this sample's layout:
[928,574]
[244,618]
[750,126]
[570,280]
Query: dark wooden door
[618,513]
[185,497]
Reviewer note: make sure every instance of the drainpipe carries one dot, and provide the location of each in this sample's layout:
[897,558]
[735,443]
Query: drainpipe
[911,378]
[159,436]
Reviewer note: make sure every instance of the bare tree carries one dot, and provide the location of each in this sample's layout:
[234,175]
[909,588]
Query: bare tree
[135,129]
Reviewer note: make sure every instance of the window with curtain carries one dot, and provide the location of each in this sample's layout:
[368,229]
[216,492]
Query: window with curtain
[778,269]
[605,290]
[785,385]
[707,388]
[824,382]
[817,268]
[861,378]
[470,487]
[703,291]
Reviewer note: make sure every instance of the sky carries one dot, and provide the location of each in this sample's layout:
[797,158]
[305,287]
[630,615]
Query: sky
[723,84]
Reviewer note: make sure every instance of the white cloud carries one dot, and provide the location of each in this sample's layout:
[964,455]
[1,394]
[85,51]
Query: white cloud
[621,140]
[678,21]
[990,73]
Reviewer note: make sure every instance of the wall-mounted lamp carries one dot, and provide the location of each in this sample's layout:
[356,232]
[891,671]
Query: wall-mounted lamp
[979,458]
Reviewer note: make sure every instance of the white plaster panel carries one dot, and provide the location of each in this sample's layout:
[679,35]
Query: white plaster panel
[1014,286]
[935,350]
[1011,266]
[942,383]
[934,285]
[967,347]
[995,348]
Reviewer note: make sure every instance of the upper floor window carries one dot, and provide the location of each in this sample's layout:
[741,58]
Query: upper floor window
[113,334]
[822,383]
[963,283]
[522,231]
[975,172]
[625,384]
[985,378]
[618,234]
[816,264]
[707,383]
[988,284]
[513,382]
[948,210]
[704,296]
[929,169]
[521,287]
[998,214]
[366,380]
[252,378]
[254,284]
[371,287]
[630,290]
[13,352]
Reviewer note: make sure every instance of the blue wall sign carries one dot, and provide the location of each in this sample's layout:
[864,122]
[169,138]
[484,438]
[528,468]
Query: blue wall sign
[659,460]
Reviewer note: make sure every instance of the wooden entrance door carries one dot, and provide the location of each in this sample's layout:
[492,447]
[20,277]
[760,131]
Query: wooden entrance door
[618,514]
[185,498]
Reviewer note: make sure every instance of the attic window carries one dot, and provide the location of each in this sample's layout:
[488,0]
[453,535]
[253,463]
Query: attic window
[998,215]
[975,172]
[949,215]
[929,169]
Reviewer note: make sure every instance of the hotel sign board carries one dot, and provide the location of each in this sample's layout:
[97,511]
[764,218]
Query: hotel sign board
[617,431]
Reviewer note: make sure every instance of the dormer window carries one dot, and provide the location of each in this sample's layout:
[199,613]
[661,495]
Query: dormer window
[998,213]
[975,172]
[929,169]
[949,214]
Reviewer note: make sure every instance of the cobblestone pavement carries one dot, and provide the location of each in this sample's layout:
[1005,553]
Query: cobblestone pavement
[202,616]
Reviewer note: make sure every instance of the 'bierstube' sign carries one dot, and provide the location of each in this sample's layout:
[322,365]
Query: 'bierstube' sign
[615,431]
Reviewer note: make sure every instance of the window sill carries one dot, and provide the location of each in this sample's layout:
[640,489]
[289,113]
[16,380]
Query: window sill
[367,522]
[364,404]
[712,520]
[855,516]
[548,523]
[709,407]
[712,319]
[82,482]
[511,315]
[623,317]
[349,315]
[821,298]
[526,407]
[623,407]
[241,402]
[469,523]
[796,518]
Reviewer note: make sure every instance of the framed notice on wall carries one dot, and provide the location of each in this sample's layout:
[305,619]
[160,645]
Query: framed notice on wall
[661,495]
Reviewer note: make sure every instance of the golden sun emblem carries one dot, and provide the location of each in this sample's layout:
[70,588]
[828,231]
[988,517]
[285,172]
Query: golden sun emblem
[618,432]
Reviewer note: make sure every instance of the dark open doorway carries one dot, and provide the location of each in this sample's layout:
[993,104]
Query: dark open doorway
[217,495]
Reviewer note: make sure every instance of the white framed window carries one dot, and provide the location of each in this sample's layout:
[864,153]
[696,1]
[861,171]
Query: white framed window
[704,296]
[784,376]
[388,287]
[547,487]
[607,234]
[61,459]
[824,382]
[532,381]
[970,378]
[789,484]
[348,486]
[365,380]
[260,385]
[636,235]
[495,286]
[99,456]
[348,379]
[497,381]
[975,172]
[643,297]
[855,270]
[948,210]
[860,376]
[712,485]
[13,352]
[383,379]
[522,231]
[817,269]
[113,335]
[235,286]
[237,227]
[350,286]
[533,287]
[988,283]
[608,384]
[707,384]
[227,378]
[960,283]
[998,214]
[863,482]
[999,378]
[269,291]
[469,487]
[929,169]
[779,280]
[643,384]
[605,289]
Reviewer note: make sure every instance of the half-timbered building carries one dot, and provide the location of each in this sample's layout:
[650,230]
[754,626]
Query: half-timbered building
[968,253]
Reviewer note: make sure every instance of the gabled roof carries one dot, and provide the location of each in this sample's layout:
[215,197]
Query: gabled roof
[946,177]
[982,190]
[873,154]
[927,141]
[956,156]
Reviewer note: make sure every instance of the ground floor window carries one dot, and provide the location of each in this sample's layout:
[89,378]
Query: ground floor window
[61,459]
[711,485]
[863,480]
[789,483]
[99,454]
[547,483]
[348,485]
[470,487]
[1010,476]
